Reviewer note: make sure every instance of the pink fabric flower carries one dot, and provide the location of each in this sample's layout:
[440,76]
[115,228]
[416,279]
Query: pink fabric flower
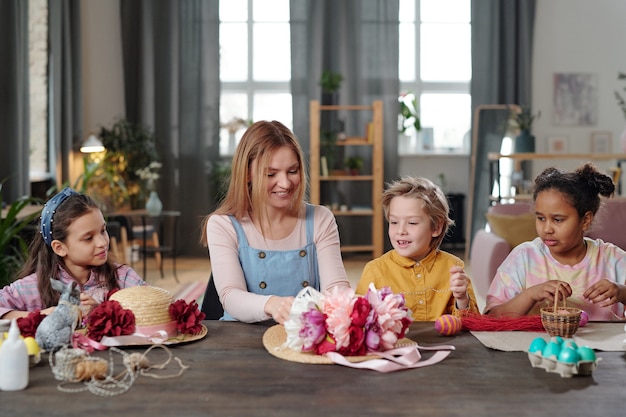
[338,308]
[341,322]
[313,329]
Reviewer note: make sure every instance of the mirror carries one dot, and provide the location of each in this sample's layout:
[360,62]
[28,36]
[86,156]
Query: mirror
[489,128]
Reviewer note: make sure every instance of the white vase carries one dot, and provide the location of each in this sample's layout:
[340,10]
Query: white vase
[154,206]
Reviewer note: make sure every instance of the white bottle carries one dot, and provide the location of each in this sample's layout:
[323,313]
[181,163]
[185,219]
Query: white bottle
[13,361]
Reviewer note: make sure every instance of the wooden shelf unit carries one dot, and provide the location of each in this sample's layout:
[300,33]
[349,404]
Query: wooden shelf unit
[376,246]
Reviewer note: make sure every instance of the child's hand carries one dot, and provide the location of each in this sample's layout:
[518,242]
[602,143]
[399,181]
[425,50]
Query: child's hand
[604,292]
[87,303]
[458,286]
[548,290]
[47,311]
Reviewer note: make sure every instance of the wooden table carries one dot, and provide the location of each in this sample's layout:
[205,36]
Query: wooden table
[231,374]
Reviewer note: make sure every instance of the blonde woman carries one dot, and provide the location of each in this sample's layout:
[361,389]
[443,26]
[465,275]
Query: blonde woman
[264,241]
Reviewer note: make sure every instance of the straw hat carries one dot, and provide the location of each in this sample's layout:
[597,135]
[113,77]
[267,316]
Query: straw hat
[275,337]
[150,305]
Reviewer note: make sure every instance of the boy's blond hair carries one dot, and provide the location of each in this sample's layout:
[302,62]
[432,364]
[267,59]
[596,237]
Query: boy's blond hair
[435,202]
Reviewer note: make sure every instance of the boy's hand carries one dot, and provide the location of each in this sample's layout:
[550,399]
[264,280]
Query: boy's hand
[458,286]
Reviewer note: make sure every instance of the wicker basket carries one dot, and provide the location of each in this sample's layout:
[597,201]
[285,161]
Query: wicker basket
[560,320]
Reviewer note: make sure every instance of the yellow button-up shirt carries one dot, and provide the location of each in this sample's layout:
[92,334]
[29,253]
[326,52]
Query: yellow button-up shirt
[424,284]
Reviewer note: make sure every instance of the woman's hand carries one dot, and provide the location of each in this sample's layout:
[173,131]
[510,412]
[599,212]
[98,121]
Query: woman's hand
[605,293]
[458,286]
[548,290]
[279,308]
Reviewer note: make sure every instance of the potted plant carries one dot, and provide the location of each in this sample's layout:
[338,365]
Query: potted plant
[354,164]
[329,124]
[129,147]
[408,117]
[330,81]
[523,120]
[13,246]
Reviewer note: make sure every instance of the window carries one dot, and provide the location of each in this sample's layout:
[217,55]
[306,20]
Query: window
[255,66]
[440,74]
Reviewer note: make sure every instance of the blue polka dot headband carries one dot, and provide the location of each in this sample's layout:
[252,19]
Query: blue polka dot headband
[47,214]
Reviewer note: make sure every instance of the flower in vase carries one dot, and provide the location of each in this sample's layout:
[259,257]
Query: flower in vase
[150,174]
[408,113]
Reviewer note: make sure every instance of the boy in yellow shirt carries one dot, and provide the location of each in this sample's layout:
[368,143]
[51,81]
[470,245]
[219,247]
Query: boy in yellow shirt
[432,281]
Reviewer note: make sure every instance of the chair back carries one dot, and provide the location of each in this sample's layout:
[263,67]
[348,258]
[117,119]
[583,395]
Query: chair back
[211,305]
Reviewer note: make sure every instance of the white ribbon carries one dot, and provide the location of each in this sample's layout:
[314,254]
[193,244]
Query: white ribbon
[407,357]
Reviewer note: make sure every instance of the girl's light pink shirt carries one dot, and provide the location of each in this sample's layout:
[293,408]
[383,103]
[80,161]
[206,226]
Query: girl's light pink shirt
[231,283]
[23,294]
[531,263]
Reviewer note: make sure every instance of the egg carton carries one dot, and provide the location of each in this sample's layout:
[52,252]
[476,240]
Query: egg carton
[566,370]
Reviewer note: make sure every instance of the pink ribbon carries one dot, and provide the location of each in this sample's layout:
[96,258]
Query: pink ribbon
[407,357]
[80,341]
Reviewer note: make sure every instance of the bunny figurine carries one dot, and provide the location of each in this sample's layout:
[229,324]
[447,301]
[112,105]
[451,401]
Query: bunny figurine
[56,329]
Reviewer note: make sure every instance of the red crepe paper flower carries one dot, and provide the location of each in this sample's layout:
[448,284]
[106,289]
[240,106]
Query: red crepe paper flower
[110,319]
[28,325]
[188,316]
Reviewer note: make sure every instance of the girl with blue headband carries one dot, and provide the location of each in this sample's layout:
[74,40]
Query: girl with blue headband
[72,245]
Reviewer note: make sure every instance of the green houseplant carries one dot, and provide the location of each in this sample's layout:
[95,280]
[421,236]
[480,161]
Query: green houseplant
[330,81]
[354,164]
[129,147]
[13,246]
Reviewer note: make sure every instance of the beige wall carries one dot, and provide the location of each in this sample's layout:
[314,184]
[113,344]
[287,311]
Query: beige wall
[579,36]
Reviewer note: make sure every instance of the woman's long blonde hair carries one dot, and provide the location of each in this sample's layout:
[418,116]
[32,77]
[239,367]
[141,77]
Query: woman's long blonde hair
[247,191]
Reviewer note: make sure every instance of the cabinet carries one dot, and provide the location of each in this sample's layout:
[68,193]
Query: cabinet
[362,216]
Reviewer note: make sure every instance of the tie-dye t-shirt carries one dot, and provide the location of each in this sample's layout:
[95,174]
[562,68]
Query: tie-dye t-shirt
[531,263]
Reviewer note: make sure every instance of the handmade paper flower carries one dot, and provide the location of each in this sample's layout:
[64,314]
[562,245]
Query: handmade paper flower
[340,321]
[188,316]
[28,325]
[110,319]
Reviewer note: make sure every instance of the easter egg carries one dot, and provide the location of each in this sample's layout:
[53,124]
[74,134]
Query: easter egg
[31,345]
[584,319]
[448,325]
[537,345]
[568,355]
[558,340]
[552,350]
[570,343]
[586,353]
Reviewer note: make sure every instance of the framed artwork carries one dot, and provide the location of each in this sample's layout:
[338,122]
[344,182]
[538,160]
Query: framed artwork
[601,142]
[558,144]
[575,99]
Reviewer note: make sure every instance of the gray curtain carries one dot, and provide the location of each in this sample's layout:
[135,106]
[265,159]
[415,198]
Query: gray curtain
[358,39]
[64,87]
[502,35]
[171,74]
[14,102]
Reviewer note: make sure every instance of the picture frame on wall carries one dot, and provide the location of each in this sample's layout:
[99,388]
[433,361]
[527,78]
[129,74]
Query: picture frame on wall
[601,142]
[558,144]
